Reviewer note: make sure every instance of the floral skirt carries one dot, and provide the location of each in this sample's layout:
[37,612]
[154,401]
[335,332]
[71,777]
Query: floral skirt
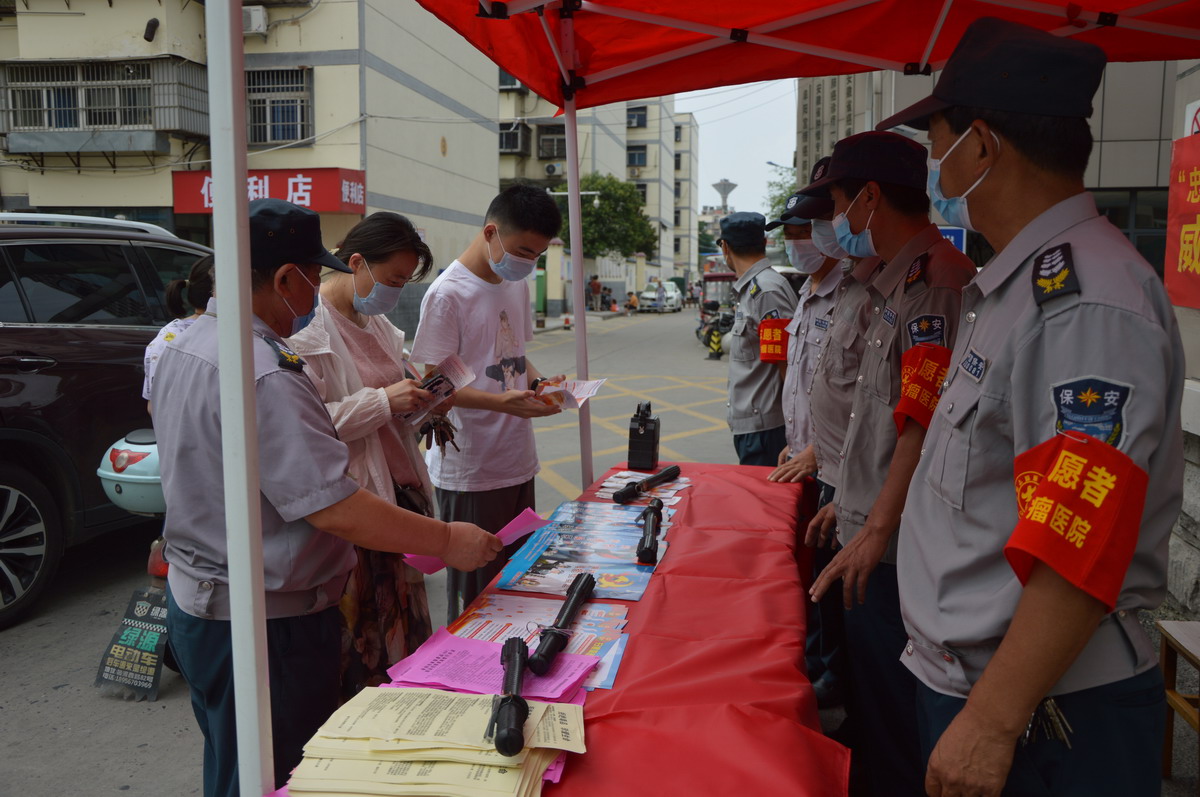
[385,617]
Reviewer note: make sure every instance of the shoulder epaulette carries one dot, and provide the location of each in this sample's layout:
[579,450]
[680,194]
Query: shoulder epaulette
[916,271]
[1054,274]
[288,359]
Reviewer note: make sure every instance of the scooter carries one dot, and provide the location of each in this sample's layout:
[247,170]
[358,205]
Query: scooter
[715,333]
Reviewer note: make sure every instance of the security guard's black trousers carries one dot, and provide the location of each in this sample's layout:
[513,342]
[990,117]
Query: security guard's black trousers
[303,658]
[1116,741]
[883,692]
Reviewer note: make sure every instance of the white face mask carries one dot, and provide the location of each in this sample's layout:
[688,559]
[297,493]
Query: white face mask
[824,238]
[804,256]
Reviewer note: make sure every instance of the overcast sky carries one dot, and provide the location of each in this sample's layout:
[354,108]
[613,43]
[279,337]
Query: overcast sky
[741,128]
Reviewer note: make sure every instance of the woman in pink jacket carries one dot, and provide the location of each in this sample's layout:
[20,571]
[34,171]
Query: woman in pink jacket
[355,357]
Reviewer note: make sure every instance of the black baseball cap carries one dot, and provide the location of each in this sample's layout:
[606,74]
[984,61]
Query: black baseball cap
[802,208]
[743,230]
[882,157]
[281,233]
[1005,66]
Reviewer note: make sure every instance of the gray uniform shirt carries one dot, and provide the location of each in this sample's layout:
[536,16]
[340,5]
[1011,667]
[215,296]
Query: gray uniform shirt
[1007,392]
[303,470]
[808,330]
[914,299]
[755,387]
[831,393]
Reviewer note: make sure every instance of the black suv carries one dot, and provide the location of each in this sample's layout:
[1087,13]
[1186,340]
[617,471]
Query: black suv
[77,308]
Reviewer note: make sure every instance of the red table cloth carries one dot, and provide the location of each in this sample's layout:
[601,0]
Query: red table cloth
[712,697]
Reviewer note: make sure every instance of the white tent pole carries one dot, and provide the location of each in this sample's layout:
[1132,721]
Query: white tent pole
[751,38]
[565,53]
[574,210]
[705,46]
[937,29]
[239,439]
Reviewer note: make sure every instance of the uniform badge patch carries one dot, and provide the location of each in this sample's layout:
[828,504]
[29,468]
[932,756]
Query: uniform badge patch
[974,365]
[288,359]
[928,329]
[822,323]
[1092,406]
[1054,274]
[889,316]
[916,271]
[754,289]
[770,314]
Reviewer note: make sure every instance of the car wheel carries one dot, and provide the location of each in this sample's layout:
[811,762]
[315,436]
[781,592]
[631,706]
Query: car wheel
[31,542]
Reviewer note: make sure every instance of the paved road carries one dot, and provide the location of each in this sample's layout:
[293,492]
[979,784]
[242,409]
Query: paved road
[58,734]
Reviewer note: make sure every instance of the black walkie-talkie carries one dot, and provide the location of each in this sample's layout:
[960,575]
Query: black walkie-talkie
[643,439]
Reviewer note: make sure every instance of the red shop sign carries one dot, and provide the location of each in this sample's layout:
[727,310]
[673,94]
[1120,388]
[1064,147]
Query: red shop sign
[325,190]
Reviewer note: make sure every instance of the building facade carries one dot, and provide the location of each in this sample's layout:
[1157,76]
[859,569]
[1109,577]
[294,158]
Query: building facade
[352,107]
[687,175]
[650,160]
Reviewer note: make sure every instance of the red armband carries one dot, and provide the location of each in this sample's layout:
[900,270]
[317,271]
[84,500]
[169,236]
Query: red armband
[922,370]
[773,340]
[1080,504]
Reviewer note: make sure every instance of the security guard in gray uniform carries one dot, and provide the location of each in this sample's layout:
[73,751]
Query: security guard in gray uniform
[1038,520]
[312,512]
[755,387]
[877,184]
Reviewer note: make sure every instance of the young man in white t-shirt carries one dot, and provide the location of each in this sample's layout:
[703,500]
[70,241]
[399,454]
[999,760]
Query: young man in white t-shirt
[478,308]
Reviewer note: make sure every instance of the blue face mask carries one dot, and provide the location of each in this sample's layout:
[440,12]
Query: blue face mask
[380,300]
[825,239]
[301,321]
[509,267]
[855,244]
[953,209]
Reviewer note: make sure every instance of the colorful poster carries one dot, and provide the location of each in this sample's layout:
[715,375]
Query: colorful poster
[554,555]
[1182,265]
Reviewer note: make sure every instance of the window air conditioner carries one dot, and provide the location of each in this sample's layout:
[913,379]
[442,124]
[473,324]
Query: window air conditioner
[634,171]
[254,20]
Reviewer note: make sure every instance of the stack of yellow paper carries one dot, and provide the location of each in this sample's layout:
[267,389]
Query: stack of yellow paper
[429,742]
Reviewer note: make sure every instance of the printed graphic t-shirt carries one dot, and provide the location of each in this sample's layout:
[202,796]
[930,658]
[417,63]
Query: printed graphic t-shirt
[487,326]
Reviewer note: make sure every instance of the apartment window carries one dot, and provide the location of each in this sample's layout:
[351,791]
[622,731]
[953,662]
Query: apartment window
[508,82]
[678,244]
[102,94]
[678,133]
[635,155]
[641,189]
[514,139]
[678,161]
[678,214]
[849,132]
[636,117]
[818,100]
[552,142]
[1140,214]
[819,87]
[678,189]
[279,105]
[806,95]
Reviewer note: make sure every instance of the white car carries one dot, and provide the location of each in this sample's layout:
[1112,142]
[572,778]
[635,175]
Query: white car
[648,299]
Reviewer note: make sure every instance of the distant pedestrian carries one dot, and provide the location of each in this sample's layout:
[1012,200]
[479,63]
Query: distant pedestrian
[596,288]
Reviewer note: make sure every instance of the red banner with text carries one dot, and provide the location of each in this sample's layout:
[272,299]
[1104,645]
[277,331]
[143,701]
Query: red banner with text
[1181,268]
[325,190]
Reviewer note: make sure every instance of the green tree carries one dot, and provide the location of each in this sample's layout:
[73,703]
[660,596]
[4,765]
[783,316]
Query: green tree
[616,225]
[780,186]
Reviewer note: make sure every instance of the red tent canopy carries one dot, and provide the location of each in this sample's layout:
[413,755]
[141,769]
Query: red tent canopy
[626,49]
